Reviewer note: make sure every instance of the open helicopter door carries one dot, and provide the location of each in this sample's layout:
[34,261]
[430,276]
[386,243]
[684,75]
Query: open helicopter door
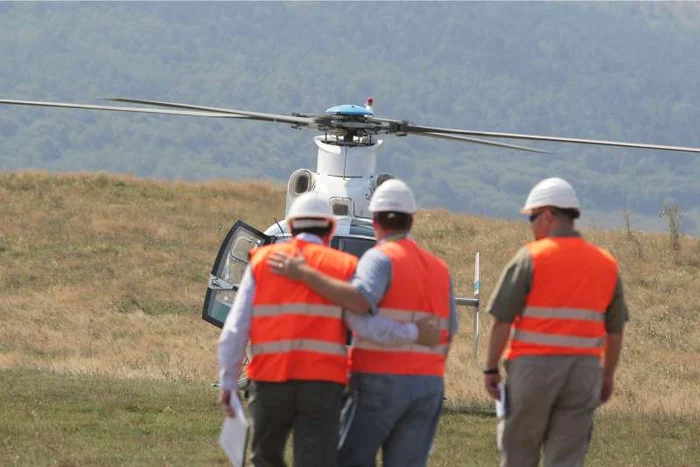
[474,302]
[227,273]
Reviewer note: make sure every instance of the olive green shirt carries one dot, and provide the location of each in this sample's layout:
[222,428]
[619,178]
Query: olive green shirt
[508,300]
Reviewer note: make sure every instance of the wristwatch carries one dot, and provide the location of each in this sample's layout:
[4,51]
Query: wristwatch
[491,371]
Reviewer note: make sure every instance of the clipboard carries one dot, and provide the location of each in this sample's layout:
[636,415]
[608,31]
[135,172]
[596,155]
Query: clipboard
[234,434]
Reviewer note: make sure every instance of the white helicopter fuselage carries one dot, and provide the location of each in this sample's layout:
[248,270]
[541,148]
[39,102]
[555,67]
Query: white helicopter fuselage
[345,175]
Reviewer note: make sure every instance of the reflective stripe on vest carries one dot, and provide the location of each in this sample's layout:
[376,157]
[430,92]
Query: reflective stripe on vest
[558,340]
[419,288]
[411,316]
[414,348]
[295,333]
[309,345]
[306,309]
[564,313]
[573,283]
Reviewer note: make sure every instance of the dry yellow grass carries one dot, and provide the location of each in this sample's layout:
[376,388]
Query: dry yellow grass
[106,275]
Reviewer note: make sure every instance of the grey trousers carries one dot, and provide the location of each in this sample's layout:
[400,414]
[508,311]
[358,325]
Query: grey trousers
[310,408]
[550,404]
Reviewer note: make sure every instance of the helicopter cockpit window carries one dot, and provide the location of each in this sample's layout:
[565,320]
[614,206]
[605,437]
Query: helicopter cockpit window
[354,246]
[361,228]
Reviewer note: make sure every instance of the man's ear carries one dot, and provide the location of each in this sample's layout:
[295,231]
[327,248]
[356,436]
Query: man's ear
[326,239]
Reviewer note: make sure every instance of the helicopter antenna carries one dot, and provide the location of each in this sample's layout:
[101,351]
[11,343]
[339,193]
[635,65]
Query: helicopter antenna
[278,225]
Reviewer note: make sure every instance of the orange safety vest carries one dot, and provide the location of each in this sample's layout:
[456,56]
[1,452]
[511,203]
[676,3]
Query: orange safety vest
[420,287]
[296,334]
[572,286]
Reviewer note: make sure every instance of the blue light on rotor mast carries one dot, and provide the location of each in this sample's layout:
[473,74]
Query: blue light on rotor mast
[350,110]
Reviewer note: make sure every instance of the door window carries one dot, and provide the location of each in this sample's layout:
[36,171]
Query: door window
[227,273]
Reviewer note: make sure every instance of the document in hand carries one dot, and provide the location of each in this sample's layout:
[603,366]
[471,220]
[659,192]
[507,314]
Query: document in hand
[234,434]
[501,404]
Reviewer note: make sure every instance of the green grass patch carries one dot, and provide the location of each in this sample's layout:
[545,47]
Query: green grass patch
[52,419]
[55,419]
[90,250]
[618,440]
[43,354]
[152,307]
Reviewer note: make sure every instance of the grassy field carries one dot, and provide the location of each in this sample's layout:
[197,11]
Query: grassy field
[105,360]
[74,420]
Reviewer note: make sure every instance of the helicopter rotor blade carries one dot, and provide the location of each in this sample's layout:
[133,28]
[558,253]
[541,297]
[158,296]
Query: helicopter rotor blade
[481,141]
[324,123]
[416,129]
[118,109]
[278,118]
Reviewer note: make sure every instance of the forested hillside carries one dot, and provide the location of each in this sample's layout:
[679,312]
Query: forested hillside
[595,70]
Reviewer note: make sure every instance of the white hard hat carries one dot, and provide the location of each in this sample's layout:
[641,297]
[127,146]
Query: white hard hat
[555,192]
[310,210]
[393,196]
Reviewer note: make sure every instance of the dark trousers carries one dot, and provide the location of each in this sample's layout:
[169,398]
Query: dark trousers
[310,408]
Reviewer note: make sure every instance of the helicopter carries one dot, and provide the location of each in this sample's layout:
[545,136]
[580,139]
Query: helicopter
[345,174]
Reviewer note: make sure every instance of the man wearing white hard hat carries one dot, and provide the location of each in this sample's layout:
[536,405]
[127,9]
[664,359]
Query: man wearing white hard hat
[559,314]
[397,393]
[299,366]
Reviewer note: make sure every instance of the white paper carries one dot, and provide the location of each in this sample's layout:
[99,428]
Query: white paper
[234,434]
[501,404]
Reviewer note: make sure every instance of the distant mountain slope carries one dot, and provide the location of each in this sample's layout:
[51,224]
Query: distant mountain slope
[599,70]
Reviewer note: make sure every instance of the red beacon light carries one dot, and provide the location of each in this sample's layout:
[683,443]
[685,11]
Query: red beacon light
[368,104]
